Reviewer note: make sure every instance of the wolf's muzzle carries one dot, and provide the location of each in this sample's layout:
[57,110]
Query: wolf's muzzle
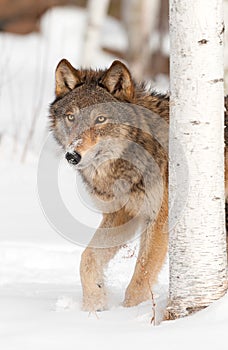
[73,158]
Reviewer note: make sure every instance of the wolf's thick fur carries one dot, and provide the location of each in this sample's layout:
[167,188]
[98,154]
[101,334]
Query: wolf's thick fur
[117,144]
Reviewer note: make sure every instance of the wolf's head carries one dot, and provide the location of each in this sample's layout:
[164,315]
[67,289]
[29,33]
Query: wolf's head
[92,110]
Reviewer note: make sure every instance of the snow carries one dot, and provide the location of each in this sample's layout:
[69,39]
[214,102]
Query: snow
[40,291]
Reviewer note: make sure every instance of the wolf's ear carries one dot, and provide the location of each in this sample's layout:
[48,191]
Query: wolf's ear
[66,78]
[117,80]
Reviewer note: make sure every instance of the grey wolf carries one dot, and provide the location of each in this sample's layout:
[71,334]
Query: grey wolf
[107,125]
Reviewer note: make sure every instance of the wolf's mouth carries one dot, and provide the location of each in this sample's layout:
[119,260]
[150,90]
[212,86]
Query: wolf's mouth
[73,157]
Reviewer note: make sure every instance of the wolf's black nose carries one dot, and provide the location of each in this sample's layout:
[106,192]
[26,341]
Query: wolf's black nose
[73,158]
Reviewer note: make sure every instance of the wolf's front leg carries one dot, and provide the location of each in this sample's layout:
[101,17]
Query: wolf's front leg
[152,253]
[92,266]
[107,240]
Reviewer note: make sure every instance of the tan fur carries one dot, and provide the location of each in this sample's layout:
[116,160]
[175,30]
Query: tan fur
[82,93]
[153,249]
[226,173]
[226,147]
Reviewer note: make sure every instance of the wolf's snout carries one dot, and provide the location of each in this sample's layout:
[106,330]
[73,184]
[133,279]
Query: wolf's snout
[73,157]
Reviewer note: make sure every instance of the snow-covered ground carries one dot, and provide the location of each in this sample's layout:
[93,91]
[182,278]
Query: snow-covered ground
[40,292]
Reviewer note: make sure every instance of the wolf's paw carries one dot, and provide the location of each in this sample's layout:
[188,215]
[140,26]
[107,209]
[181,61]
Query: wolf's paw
[135,297]
[130,302]
[94,306]
[95,302]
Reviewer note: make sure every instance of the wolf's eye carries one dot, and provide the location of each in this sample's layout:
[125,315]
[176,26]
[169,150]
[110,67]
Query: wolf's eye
[70,117]
[100,119]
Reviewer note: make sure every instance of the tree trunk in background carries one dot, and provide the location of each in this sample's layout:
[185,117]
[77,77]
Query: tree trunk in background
[140,19]
[197,234]
[97,11]
[160,56]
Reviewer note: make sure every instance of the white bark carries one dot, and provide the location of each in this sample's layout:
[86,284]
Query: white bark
[197,235]
[225,4]
[140,18]
[97,11]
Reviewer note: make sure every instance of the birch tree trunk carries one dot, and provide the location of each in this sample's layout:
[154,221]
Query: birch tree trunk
[97,10]
[225,5]
[140,18]
[197,234]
